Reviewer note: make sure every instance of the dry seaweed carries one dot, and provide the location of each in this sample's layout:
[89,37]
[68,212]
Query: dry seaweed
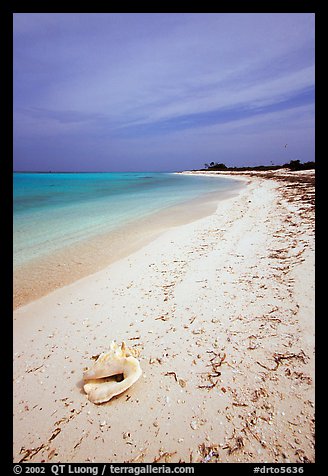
[258,393]
[29,453]
[237,443]
[52,453]
[138,458]
[162,318]
[35,369]
[211,385]
[172,373]
[55,433]
[166,455]
[215,364]
[278,358]
[209,454]
[299,375]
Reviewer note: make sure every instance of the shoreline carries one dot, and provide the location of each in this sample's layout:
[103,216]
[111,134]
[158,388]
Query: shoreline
[43,275]
[237,286]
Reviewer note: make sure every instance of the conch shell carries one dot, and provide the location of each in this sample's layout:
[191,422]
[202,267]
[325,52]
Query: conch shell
[101,384]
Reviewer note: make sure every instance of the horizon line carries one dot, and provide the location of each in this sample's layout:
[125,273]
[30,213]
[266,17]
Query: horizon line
[89,171]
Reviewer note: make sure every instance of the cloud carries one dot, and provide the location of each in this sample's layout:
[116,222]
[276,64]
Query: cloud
[218,103]
[120,76]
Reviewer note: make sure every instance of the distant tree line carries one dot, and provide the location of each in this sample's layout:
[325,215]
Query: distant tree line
[292,165]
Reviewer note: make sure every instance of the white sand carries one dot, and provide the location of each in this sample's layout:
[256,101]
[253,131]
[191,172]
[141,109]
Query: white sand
[239,283]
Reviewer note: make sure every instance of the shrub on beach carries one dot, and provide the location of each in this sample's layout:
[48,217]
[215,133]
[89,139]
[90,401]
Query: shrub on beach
[296,165]
[292,165]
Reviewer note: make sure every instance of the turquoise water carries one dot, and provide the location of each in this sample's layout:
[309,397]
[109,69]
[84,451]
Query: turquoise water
[54,210]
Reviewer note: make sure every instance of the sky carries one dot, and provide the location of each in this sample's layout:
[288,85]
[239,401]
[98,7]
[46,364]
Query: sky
[162,92]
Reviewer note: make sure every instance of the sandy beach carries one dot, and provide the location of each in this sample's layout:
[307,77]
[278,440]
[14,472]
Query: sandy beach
[222,311]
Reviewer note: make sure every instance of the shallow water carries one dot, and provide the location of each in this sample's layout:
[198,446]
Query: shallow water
[68,226]
[57,210]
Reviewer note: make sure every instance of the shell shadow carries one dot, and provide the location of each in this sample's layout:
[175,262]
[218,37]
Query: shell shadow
[80,385]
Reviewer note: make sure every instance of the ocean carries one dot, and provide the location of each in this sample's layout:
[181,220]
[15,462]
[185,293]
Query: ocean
[56,210]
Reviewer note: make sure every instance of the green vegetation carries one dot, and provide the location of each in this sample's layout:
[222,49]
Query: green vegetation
[292,165]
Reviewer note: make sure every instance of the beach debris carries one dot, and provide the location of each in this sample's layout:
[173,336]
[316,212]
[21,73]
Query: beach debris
[278,358]
[73,414]
[29,453]
[298,375]
[78,442]
[252,342]
[211,385]
[139,458]
[250,425]
[155,360]
[52,453]
[302,457]
[172,373]
[34,369]
[162,318]
[55,433]
[215,364]
[197,422]
[102,379]
[194,425]
[180,381]
[238,445]
[209,454]
[166,455]
[219,356]
[258,393]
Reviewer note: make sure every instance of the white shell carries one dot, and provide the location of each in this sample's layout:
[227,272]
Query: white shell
[101,384]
